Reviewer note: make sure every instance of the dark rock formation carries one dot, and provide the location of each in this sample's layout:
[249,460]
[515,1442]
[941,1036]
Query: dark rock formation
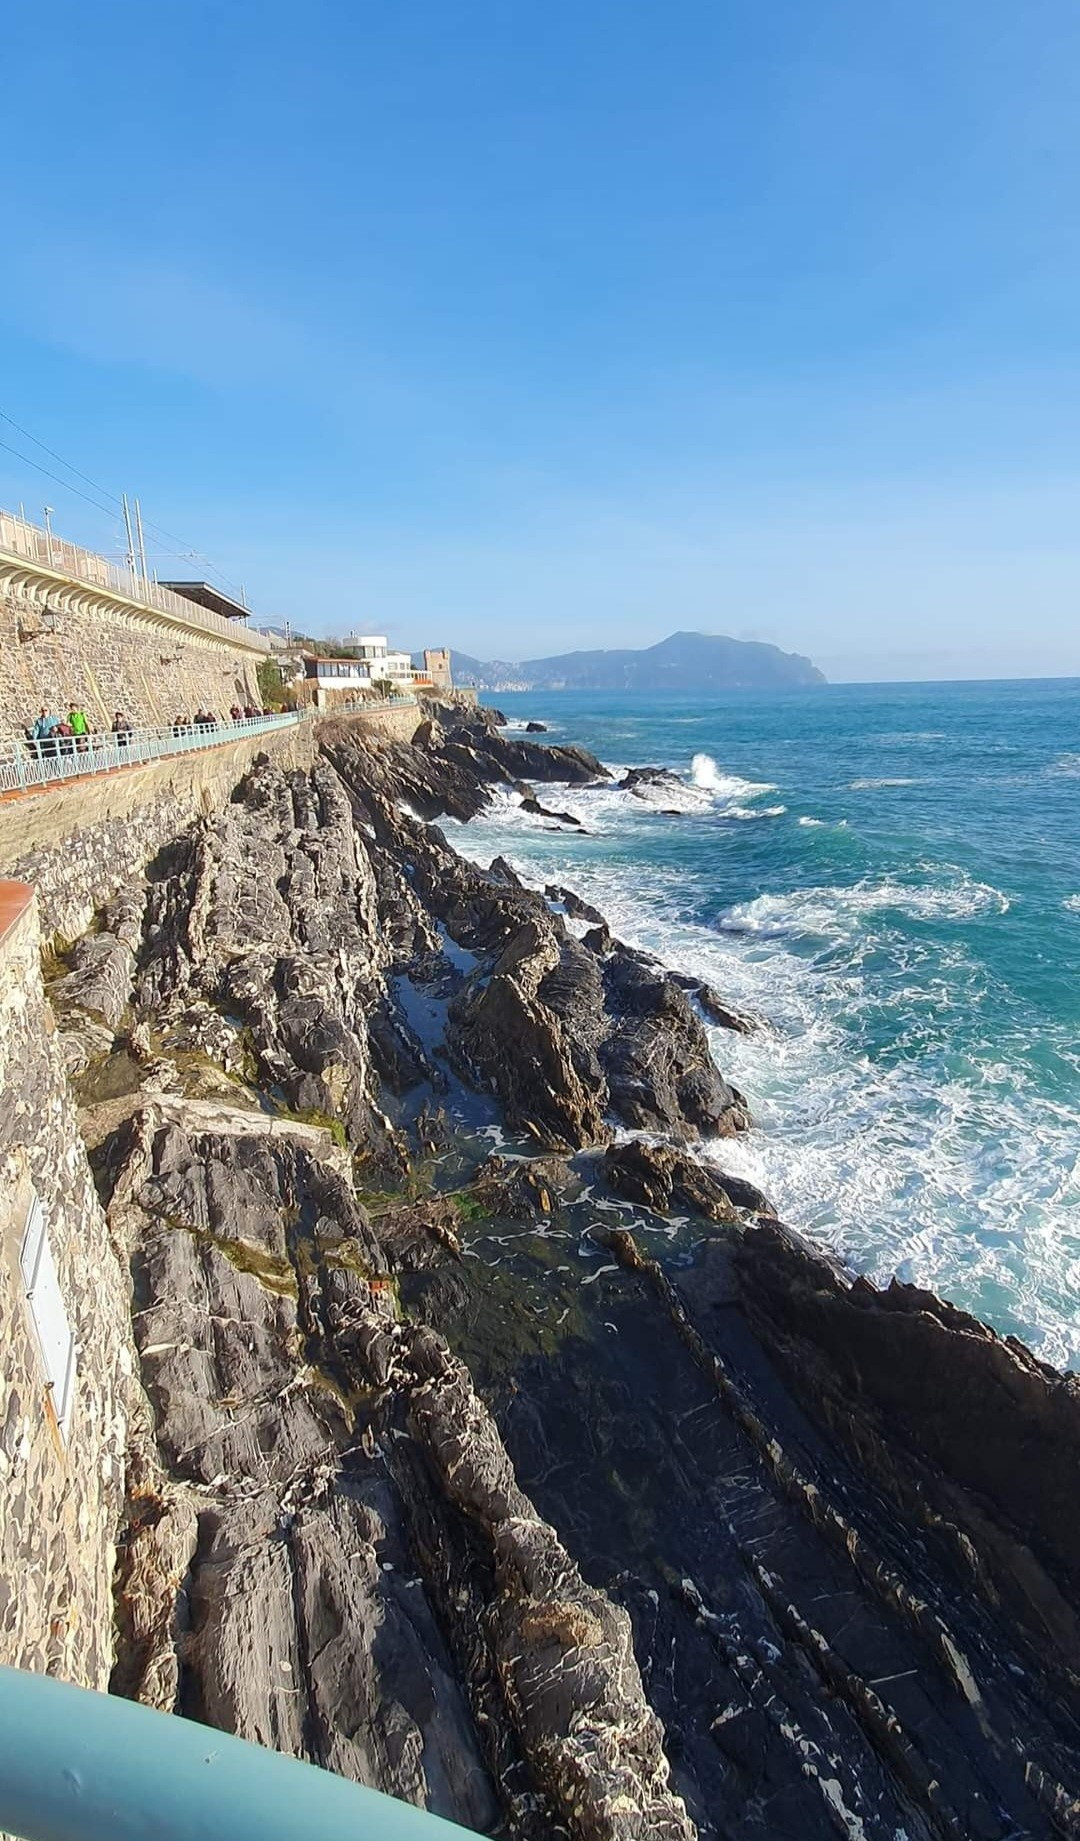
[452,771]
[349,1494]
[270,917]
[536,810]
[656,1059]
[442,1477]
[520,1187]
[645,782]
[564,1035]
[964,1429]
[713,1006]
[575,907]
[667,1179]
[103,962]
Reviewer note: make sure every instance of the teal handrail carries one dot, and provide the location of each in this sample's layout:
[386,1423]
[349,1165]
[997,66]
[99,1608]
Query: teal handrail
[47,763]
[81,1766]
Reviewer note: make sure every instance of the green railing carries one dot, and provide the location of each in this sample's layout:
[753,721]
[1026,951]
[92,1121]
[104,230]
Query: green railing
[80,1766]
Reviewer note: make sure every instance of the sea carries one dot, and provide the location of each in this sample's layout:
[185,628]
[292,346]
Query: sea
[887,878]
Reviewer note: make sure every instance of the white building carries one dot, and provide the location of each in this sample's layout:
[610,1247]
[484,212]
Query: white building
[373,650]
[369,647]
[329,679]
[374,669]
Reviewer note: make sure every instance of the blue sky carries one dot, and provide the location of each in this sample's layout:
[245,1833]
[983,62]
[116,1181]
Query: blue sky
[521,326]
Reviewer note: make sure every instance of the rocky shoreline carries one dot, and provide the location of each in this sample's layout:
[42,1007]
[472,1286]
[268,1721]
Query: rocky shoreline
[489,1446]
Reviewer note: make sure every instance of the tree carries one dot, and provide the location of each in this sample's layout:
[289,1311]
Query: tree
[271,681]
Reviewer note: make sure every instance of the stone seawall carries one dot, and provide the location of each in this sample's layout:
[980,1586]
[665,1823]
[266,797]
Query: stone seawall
[109,660]
[392,725]
[60,1498]
[81,842]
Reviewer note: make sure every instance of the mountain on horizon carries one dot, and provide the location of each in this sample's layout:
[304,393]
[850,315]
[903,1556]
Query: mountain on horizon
[683,661]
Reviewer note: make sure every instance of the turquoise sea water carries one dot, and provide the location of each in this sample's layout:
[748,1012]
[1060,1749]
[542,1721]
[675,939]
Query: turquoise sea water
[888,876]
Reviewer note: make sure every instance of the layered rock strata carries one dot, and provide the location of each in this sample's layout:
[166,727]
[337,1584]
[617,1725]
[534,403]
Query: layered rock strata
[560,1490]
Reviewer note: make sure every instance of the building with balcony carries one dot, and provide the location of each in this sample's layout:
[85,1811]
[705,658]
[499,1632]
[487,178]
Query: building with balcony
[328,681]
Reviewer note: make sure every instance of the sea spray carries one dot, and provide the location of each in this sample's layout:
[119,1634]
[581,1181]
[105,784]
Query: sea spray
[914,948]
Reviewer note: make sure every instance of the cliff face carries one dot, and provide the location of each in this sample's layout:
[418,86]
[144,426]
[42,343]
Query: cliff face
[556,1487]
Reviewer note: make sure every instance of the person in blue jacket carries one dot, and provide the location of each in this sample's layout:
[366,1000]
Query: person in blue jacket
[43,734]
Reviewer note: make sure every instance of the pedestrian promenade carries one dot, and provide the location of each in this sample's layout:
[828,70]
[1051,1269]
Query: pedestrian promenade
[35,766]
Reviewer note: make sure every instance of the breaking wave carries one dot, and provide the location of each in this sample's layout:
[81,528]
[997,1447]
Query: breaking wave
[705,774]
[913,1111]
[835,911]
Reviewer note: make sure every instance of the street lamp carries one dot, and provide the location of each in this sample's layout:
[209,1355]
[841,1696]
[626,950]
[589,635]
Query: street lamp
[48,510]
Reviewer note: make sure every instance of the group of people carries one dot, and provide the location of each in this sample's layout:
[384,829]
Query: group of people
[206,719]
[51,736]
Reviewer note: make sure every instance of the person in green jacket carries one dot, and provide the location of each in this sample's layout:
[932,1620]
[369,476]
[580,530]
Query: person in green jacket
[80,728]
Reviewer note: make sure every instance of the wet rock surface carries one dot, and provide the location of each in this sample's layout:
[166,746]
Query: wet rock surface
[311,1433]
[493,1445]
[668,1180]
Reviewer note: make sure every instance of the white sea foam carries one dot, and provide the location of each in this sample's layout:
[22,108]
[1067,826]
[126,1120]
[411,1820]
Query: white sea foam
[812,823]
[834,912]
[673,796]
[956,1172]
[1072,903]
[607,807]
[897,737]
[705,774]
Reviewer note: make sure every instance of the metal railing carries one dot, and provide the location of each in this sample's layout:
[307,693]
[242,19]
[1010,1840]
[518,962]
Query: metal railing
[55,758]
[40,548]
[366,706]
[80,1766]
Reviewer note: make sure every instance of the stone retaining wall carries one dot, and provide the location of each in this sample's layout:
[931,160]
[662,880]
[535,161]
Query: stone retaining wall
[115,659]
[60,1499]
[79,842]
[391,725]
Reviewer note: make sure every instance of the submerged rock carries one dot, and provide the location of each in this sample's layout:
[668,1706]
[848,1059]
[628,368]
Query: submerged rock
[532,805]
[520,1187]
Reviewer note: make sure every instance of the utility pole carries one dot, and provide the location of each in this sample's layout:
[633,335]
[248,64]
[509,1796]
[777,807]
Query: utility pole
[130,538]
[48,510]
[142,545]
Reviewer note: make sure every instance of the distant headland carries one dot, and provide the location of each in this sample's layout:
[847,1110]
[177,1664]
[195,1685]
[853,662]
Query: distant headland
[684,661]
